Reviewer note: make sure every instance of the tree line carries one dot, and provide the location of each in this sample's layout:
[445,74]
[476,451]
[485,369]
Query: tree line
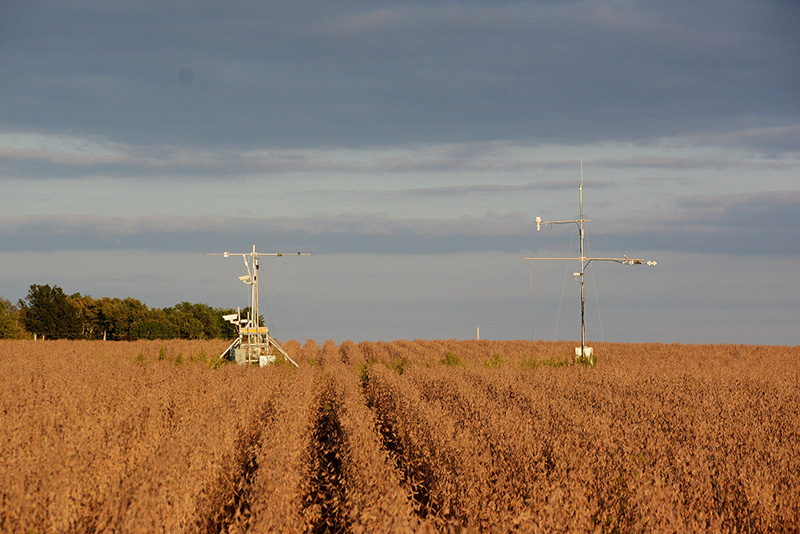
[50,313]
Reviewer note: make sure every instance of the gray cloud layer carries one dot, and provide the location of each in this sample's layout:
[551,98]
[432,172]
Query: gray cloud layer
[310,73]
[761,223]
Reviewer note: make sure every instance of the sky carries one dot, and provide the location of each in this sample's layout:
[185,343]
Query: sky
[409,147]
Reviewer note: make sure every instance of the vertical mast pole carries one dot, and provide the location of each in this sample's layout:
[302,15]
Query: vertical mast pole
[583,266]
[256,322]
[254,288]
[254,299]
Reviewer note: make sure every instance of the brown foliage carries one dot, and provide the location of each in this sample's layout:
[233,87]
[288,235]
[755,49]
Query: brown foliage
[426,436]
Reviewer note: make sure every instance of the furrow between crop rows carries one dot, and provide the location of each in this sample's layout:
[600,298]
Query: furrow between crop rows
[440,461]
[325,498]
[234,485]
[275,491]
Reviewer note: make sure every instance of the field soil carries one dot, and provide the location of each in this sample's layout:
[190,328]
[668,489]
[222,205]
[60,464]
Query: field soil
[401,436]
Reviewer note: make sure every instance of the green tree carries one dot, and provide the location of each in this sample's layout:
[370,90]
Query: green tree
[10,321]
[87,311]
[194,321]
[51,313]
[154,325]
[116,318]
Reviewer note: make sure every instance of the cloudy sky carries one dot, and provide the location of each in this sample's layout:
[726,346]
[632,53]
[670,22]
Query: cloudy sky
[409,146]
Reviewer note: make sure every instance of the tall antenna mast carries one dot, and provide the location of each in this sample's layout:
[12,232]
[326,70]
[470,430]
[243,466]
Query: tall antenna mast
[583,353]
[254,344]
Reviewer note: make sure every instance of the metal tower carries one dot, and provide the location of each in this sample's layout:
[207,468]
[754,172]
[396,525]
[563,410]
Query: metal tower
[253,344]
[583,353]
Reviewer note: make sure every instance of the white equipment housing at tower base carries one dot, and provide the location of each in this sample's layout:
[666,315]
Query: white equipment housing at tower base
[587,352]
[253,345]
